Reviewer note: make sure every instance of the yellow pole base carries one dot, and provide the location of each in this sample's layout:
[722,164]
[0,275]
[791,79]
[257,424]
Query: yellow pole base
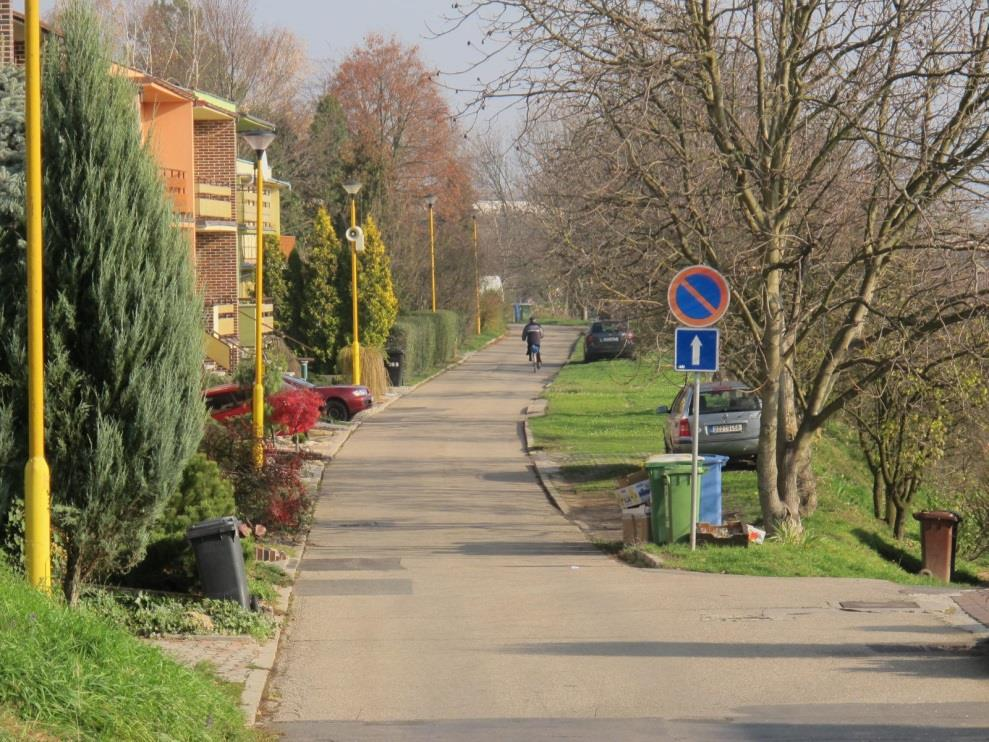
[37,523]
[356,362]
[258,406]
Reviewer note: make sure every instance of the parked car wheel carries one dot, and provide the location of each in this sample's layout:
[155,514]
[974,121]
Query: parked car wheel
[335,411]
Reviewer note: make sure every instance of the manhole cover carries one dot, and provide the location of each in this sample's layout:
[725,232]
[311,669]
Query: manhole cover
[868,605]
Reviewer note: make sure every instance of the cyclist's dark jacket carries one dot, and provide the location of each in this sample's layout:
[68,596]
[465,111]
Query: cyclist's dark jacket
[532,333]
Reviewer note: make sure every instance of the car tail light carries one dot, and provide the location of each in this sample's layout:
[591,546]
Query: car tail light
[684,430]
[630,335]
[589,340]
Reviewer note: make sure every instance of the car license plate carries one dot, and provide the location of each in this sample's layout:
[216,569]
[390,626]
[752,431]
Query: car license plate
[609,339]
[734,428]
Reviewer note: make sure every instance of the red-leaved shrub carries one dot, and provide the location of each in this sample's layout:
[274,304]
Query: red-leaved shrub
[274,494]
[295,410]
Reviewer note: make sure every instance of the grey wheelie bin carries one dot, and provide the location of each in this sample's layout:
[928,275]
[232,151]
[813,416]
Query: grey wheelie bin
[220,559]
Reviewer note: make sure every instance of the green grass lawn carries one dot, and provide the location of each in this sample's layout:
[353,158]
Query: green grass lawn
[68,674]
[601,424]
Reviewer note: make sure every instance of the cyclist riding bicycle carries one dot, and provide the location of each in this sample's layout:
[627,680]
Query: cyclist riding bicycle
[532,333]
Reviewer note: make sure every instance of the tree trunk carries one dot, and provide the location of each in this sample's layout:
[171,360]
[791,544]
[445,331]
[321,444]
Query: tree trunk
[806,484]
[789,492]
[878,495]
[71,579]
[890,515]
[899,520]
[767,466]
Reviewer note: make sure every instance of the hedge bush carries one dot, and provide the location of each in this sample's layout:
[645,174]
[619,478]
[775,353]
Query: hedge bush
[428,339]
[492,312]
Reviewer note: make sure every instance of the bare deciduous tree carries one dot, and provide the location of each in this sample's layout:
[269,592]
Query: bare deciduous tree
[808,149]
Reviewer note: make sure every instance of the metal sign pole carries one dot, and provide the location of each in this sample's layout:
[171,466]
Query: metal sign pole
[695,489]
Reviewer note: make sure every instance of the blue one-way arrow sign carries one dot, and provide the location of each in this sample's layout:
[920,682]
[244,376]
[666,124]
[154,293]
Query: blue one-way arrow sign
[696,349]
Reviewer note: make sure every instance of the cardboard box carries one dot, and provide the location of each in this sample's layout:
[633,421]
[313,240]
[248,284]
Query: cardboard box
[634,490]
[635,526]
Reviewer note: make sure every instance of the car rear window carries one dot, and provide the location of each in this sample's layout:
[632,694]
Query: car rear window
[729,400]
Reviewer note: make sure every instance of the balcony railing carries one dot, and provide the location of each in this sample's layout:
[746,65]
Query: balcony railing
[247,211]
[225,319]
[247,313]
[214,201]
[177,188]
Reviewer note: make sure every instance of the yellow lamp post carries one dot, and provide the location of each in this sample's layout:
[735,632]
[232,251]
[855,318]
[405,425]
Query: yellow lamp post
[477,277]
[37,479]
[258,141]
[430,202]
[353,188]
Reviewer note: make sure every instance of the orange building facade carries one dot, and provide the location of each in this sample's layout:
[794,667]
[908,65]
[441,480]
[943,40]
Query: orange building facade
[194,138]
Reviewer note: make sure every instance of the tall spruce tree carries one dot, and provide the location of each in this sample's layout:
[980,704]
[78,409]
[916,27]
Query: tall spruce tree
[122,319]
[13,318]
[319,302]
[377,305]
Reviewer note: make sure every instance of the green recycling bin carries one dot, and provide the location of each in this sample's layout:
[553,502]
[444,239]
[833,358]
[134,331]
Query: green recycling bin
[669,480]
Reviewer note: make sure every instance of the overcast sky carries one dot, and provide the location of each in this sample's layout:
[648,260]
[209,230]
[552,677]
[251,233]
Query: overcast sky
[331,27]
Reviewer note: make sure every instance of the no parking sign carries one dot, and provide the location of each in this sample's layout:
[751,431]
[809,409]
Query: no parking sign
[698,296]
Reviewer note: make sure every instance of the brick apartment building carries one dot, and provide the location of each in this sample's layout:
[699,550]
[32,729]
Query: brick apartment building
[194,137]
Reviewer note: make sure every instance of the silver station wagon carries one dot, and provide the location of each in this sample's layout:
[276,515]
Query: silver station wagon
[729,420]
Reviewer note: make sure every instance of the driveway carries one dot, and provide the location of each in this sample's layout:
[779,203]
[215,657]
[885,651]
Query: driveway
[441,597]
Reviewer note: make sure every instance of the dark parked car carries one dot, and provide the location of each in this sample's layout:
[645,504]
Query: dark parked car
[609,339]
[729,420]
[340,401]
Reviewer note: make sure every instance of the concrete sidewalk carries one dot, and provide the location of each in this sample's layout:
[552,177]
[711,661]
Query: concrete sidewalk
[441,596]
[242,659]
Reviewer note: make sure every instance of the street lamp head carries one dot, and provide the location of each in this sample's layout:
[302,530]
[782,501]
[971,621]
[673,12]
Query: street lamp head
[258,140]
[430,201]
[352,187]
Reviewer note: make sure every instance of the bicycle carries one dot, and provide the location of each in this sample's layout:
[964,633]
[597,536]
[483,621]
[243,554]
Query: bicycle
[535,358]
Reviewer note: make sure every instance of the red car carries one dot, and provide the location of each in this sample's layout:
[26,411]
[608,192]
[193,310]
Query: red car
[340,401]
[227,401]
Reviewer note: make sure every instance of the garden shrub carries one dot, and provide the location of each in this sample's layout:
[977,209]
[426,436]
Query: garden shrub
[373,373]
[169,564]
[294,410]
[428,339]
[273,495]
[492,312]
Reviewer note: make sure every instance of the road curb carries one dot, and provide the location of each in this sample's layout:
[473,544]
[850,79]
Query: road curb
[256,683]
[542,464]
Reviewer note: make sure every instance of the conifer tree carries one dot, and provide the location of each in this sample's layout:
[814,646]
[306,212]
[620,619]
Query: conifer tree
[13,287]
[275,281]
[377,305]
[123,337]
[319,303]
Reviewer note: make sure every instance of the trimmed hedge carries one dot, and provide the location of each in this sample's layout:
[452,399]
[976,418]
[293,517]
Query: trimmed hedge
[428,339]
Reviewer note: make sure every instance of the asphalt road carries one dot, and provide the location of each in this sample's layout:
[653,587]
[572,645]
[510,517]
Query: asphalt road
[441,597]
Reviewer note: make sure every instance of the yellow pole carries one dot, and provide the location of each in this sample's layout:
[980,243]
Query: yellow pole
[258,396]
[477,278]
[37,478]
[37,486]
[356,353]
[432,254]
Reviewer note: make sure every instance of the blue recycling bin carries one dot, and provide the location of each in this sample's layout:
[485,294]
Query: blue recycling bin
[711,488]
